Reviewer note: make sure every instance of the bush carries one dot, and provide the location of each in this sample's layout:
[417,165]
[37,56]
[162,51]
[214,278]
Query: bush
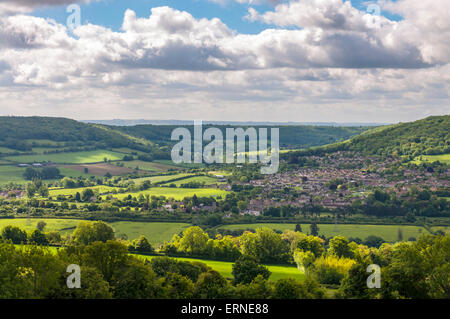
[331,270]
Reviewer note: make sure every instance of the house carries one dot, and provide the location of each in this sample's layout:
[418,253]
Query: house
[251,212]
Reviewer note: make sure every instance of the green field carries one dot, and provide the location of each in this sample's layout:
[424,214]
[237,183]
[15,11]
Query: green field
[11,174]
[184,165]
[156,233]
[387,232]
[223,173]
[148,166]
[30,224]
[5,150]
[160,179]
[197,179]
[72,191]
[68,158]
[445,158]
[225,268]
[70,172]
[176,193]
[445,229]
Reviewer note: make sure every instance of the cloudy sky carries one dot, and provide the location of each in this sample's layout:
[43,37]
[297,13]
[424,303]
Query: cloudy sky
[241,60]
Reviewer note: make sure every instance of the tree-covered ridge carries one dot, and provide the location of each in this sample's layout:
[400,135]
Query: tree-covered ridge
[301,136]
[429,136]
[15,131]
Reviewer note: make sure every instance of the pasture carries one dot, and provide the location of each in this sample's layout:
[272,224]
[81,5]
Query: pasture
[156,233]
[99,169]
[388,232]
[11,174]
[445,229]
[176,193]
[161,179]
[223,173]
[444,158]
[96,156]
[225,268]
[148,166]
[195,179]
[6,150]
[183,165]
[29,224]
[72,191]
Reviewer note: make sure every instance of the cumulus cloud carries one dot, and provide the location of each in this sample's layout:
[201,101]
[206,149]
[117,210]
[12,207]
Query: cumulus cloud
[10,7]
[332,57]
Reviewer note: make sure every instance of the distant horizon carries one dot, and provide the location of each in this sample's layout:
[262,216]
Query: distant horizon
[174,121]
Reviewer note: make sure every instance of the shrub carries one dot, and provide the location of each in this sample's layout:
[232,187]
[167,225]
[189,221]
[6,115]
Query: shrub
[331,270]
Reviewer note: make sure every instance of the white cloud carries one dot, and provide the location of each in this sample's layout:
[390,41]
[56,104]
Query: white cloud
[172,62]
[10,7]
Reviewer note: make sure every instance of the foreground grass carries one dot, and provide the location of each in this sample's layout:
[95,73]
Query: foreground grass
[388,232]
[225,268]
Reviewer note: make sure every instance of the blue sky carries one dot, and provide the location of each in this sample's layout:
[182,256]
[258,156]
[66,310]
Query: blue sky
[109,13]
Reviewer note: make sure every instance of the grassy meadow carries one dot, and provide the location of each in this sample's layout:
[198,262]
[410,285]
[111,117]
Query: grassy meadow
[197,179]
[388,232]
[444,158]
[161,179]
[149,166]
[29,224]
[72,191]
[176,193]
[156,233]
[68,158]
[12,174]
[225,268]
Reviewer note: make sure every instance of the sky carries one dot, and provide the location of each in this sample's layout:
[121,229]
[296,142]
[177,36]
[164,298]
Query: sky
[226,60]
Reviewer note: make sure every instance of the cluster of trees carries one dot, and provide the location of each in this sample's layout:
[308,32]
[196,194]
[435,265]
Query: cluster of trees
[417,203]
[195,242]
[418,269]
[18,236]
[19,129]
[428,136]
[109,271]
[48,172]
[37,186]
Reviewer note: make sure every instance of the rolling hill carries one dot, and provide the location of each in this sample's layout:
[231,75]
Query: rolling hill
[24,133]
[429,136]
